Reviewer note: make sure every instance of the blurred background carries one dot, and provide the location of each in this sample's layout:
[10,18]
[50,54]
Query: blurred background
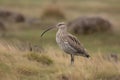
[96,23]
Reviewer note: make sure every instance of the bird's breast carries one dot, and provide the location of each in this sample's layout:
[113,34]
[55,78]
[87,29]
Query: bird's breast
[63,44]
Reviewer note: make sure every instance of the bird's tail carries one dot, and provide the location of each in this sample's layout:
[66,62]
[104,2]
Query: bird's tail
[86,54]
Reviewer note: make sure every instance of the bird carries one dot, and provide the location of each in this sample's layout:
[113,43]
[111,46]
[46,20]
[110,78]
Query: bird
[67,42]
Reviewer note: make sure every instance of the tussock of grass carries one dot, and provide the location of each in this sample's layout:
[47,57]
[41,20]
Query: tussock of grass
[51,15]
[53,11]
[40,58]
[27,70]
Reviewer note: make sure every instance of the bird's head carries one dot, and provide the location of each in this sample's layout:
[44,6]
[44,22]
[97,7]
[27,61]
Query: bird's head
[60,25]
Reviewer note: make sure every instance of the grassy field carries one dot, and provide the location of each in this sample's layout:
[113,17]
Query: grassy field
[52,63]
[105,42]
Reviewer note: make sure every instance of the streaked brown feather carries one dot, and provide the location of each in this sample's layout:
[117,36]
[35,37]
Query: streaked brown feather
[75,43]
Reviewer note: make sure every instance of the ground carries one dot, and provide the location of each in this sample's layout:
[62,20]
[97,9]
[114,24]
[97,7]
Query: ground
[18,63]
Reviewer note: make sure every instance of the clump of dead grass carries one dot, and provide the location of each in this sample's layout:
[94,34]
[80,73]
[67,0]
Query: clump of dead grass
[53,11]
[27,69]
[44,59]
[52,14]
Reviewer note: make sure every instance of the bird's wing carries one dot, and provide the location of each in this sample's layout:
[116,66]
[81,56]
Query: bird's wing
[75,43]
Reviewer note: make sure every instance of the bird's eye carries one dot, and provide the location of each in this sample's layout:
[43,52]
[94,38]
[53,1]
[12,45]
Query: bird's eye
[60,24]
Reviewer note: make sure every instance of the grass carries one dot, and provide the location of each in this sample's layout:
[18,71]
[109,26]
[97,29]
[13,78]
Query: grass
[45,60]
[20,67]
[105,42]
[53,63]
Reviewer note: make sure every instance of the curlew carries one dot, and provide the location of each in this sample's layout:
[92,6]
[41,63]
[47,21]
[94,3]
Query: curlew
[67,42]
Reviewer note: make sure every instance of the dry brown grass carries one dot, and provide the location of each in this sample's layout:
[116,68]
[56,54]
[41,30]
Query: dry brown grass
[15,65]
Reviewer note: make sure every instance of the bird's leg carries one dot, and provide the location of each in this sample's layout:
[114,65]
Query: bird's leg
[72,59]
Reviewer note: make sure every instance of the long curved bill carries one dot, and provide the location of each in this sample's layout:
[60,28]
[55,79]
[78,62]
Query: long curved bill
[46,31]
